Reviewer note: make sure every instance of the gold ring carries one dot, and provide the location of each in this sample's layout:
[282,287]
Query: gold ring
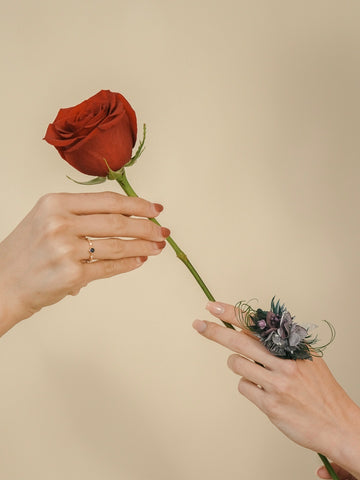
[91,251]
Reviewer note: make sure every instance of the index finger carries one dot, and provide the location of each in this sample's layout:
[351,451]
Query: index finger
[226,313]
[109,202]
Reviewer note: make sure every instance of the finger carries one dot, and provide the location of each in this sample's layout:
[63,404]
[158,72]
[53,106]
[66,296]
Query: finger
[109,268]
[115,248]
[238,342]
[109,202]
[250,370]
[252,392]
[116,225]
[223,311]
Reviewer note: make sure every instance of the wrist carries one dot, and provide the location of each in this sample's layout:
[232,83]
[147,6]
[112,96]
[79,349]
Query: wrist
[11,311]
[345,445]
[7,319]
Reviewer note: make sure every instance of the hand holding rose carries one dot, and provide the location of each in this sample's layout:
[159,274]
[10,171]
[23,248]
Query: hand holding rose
[300,397]
[96,137]
[45,257]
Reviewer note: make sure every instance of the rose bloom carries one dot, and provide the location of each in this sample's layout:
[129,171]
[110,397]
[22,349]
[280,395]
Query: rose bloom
[103,127]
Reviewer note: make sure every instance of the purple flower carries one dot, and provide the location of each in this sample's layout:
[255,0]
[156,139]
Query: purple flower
[262,324]
[297,334]
[280,334]
[272,320]
[290,330]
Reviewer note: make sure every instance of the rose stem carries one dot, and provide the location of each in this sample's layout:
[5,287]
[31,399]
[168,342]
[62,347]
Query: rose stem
[125,185]
[328,466]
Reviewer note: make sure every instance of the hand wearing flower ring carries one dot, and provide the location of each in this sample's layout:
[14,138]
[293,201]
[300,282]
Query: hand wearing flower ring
[47,256]
[301,398]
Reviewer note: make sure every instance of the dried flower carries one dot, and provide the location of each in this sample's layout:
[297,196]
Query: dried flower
[279,333]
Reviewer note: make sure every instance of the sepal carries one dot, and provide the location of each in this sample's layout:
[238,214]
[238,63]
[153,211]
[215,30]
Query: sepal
[94,181]
[114,174]
[139,151]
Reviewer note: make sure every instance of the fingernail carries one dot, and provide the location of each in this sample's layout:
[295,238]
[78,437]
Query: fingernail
[165,232]
[158,207]
[215,308]
[160,245]
[199,326]
[143,259]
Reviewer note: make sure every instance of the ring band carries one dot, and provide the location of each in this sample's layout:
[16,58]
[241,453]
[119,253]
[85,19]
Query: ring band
[91,251]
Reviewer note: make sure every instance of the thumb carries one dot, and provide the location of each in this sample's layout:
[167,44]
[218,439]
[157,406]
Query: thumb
[323,473]
[342,474]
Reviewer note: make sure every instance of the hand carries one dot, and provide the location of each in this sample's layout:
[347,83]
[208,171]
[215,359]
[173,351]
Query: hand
[340,472]
[301,397]
[45,257]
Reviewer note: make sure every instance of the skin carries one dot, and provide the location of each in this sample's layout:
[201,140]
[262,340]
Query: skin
[299,397]
[44,258]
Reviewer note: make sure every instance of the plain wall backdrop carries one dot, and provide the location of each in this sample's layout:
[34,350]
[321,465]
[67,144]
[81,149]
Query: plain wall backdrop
[252,110]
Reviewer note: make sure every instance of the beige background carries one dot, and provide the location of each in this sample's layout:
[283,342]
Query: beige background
[253,117]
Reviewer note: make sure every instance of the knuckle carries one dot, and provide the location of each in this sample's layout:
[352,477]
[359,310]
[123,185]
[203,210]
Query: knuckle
[211,330]
[117,223]
[289,368]
[232,360]
[116,246]
[49,202]
[66,249]
[55,224]
[282,386]
[235,342]
[149,229]
[113,200]
[145,205]
[271,407]
[242,385]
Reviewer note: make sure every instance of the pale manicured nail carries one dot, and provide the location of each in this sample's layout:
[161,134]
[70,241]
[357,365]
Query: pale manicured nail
[199,326]
[215,308]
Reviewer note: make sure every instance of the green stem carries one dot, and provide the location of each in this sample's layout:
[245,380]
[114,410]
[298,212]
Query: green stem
[328,466]
[125,185]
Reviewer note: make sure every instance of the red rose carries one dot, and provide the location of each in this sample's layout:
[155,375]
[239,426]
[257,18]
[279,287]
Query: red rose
[102,127]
